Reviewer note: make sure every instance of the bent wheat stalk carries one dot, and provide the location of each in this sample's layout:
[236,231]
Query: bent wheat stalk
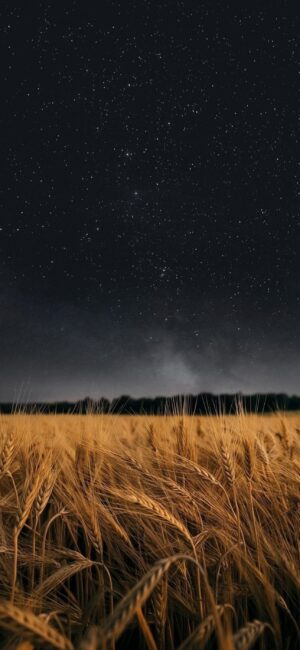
[6,453]
[135,599]
[151,645]
[151,504]
[32,623]
[227,465]
[21,519]
[202,633]
[245,638]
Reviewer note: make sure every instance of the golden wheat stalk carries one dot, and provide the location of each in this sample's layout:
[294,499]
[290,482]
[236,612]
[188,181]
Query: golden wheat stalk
[261,453]
[6,453]
[151,437]
[182,441]
[186,502]
[94,531]
[29,498]
[160,602]
[148,636]
[110,519]
[126,609]
[286,435]
[204,474]
[134,463]
[202,633]
[43,496]
[151,504]
[208,477]
[64,573]
[227,464]
[32,623]
[248,464]
[20,520]
[245,638]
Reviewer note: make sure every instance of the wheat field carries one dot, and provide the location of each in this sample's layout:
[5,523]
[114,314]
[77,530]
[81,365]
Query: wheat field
[170,532]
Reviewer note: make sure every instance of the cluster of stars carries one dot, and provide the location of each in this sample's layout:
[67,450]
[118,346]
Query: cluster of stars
[150,158]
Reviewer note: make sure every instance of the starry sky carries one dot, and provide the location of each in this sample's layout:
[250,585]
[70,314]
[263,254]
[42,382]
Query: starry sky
[149,198]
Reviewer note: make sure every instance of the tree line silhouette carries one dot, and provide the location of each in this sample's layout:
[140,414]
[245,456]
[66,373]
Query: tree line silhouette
[201,404]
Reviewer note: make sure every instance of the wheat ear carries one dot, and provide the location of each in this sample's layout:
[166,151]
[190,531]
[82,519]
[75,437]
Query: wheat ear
[29,621]
[160,601]
[115,525]
[151,437]
[286,435]
[135,599]
[204,474]
[43,496]
[245,638]
[126,609]
[94,532]
[227,465]
[28,502]
[21,519]
[151,504]
[202,633]
[261,453]
[248,465]
[6,453]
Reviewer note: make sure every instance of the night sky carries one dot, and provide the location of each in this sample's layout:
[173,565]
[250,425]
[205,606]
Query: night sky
[149,198]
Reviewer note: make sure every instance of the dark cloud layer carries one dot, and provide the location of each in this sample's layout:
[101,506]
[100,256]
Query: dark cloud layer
[54,351]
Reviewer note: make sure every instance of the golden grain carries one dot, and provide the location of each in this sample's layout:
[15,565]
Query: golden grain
[144,531]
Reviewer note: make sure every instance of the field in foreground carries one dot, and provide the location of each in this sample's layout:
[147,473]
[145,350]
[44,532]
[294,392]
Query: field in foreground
[140,532]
